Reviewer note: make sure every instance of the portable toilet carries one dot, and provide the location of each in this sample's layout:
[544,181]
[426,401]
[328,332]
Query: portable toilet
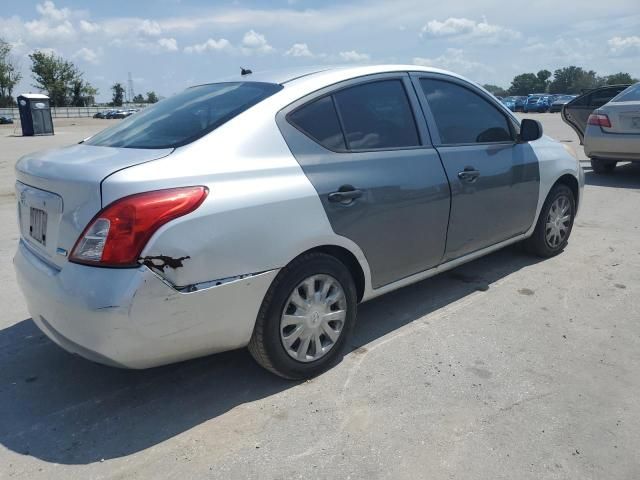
[35,114]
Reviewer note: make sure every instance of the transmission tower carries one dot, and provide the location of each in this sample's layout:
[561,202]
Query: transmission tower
[130,93]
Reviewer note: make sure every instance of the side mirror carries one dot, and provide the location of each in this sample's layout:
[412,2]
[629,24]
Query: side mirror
[530,130]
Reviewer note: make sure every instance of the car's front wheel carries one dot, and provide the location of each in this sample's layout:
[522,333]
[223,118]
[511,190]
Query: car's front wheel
[555,223]
[306,317]
[603,166]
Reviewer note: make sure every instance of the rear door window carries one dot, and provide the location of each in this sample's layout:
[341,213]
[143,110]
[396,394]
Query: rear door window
[185,117]
[462,116]
[377,115]
[319,121]
[631,94]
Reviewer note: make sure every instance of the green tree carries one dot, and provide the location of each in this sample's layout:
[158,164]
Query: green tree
[152,97]
[118,94]
[496,90]
[543,80]
[138,98]
[573,80]
[83,93]
[619,78]
[9,74]
[54,75]
[524,84]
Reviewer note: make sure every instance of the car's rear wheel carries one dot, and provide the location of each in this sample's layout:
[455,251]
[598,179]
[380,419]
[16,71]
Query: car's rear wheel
[555,223]
[603,166]
[306,317]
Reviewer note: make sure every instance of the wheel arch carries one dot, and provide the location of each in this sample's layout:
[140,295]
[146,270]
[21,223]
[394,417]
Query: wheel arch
[348,259]
[572,182]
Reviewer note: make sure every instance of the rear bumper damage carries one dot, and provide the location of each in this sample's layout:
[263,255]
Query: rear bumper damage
[132,317]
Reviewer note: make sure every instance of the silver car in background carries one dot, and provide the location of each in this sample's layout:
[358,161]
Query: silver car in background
[260,211]
[613,131]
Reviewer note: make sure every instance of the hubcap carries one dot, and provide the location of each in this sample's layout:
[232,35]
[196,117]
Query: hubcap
[313,318]
[558,221]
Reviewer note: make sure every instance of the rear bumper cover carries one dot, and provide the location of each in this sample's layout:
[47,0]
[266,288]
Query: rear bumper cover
[598,144]
[131,317]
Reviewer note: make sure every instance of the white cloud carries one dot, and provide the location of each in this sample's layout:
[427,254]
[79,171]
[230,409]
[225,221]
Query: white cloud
[209,45]
[89,27]
[169,44]
[464,27]
[87,54]
[299,50]
[49,11]
[353,56]
[254,42]
[44,30]
[623,45]
[453,59]
[149,27]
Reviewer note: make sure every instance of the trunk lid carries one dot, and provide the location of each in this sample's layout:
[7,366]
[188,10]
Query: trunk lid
[624,116]
[59,192]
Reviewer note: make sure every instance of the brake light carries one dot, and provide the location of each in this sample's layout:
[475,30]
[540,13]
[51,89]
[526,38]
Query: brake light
[599,120]
[117,235]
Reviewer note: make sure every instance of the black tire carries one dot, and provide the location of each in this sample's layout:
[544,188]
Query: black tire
[603,166]
[266,346]
[538,243]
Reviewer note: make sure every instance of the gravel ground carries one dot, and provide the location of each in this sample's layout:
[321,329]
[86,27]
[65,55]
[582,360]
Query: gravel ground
[507,367]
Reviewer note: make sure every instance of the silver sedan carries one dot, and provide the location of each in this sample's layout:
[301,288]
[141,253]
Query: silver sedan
[260,211]
[613,131]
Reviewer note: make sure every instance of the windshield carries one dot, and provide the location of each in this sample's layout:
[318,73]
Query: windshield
[185,117]
[631,94]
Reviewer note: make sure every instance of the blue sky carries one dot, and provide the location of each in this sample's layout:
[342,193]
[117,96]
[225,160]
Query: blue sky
[168,45]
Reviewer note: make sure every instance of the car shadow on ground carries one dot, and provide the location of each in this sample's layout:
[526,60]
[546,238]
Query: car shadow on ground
[63,409]
[625,175]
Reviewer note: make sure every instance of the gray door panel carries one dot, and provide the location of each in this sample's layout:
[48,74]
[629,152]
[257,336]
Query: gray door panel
[499,204]
[400,219]
[494,186]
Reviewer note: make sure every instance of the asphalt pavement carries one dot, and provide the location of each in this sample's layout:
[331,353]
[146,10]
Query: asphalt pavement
[505,368]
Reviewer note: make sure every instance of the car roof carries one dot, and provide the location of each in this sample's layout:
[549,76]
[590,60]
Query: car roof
[312,73]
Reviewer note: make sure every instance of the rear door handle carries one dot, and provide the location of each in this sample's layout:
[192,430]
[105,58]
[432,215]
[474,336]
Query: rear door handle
[469,174]
[345,194]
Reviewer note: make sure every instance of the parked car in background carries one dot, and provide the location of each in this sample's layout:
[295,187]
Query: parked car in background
[536,103]
[510,103]
[576,112]
[4,120]
[111,114]
[613,131]
[260,211]
[559,101]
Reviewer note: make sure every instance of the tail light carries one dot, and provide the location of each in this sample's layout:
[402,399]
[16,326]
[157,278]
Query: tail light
[599,120]
[117,235]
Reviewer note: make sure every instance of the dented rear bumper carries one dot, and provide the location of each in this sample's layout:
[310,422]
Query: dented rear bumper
[131,317]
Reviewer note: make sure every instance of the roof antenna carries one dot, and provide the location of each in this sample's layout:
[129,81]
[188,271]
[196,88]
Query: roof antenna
[245,71]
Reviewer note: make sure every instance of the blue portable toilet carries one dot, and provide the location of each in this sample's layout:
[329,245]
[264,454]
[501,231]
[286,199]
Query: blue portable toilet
[35,114]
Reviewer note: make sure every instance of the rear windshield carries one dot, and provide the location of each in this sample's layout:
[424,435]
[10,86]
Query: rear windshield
[185,117]
[631,94]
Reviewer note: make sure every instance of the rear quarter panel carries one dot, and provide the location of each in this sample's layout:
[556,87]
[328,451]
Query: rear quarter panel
[261,211]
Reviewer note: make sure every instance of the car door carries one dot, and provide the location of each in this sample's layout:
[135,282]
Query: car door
[379,179]
[494,179]
[577,111]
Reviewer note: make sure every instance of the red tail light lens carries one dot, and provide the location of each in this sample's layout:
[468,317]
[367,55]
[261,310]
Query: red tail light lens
[117,235]
[599,120]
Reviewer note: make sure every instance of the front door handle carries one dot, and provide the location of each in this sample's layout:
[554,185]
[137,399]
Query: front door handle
[345,194]
[469,174]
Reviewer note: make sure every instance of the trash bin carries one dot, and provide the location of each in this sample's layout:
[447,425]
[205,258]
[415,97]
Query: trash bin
[35,114]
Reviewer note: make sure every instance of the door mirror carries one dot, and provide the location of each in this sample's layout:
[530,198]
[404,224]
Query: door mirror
[530,130]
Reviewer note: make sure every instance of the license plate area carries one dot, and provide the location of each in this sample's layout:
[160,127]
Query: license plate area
[38,225]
